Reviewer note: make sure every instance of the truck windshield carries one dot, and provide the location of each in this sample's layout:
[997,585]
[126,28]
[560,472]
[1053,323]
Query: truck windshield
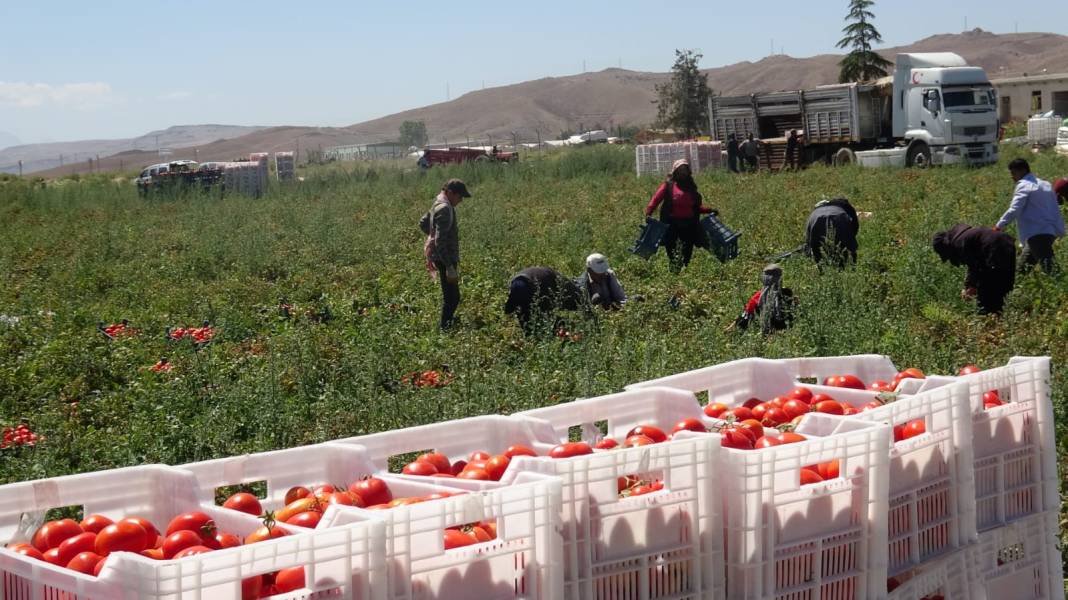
[963,98]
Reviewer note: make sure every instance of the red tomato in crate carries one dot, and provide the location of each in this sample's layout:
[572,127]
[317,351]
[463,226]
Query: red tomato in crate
[371,490]
[251,587]
[716,409]
[775,416]
[124,536]
[991,399]
[844,381]
[606,444]
[734,436]
[454,538]
[309,519]
[914,428]
[638,440]
[880,386]
[569,449]
[458,467]
[795,408]
[52,533]
[475,473]
[829,469]
[84,562]
[265,533]
[94,523]
[288,580]
[759,411]
[244,502]
[26,550]
[809,476]
[829,407]
[754,428]
[227,540]
[52,557]
[789,437]
[767,441]
[519,450]
[192,521]
[655,434]
[849,410]
[178,541]
[742,413]
[496,466]
[422,469]
[690,424]
[440,461]
[73,546]
[801,393]
[192,551]
[750,403]
[478,455]
[296,493]
[968,370]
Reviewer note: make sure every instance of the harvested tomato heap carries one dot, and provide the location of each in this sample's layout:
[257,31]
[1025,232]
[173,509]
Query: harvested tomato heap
[480,466]
[472,533]
[199,335]
[117,330]
[428,378]
[20,435]
[85,546]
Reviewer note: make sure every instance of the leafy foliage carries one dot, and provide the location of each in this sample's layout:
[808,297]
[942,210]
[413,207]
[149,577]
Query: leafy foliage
[682,102]
[862,63]
[413,133]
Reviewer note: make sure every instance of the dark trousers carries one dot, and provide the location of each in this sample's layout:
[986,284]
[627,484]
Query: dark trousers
[994,283]
[1038,249]
[752,162]
[831,237]
[681,237]
[450,297]
[732,163]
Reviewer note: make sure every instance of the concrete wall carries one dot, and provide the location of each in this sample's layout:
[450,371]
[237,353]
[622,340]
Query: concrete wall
[1017,99]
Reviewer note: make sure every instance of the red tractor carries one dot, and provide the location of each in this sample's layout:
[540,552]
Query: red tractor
[439,156]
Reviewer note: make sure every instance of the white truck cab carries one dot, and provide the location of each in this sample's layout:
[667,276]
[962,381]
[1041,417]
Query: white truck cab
[944,110]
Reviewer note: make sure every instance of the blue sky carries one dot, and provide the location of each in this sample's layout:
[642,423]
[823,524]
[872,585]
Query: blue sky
[109,69]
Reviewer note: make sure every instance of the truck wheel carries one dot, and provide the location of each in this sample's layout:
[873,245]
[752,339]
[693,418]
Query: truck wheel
[919,156]
[844,157]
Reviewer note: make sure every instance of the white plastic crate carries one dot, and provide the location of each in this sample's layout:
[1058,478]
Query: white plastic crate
[523,563]
[932,488]
[639,548]
[1020,561]
[1043,130]
[341,563]
[656,159]
[951,577]
[1014,444]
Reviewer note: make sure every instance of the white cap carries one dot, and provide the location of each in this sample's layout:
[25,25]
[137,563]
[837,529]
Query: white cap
[597,263]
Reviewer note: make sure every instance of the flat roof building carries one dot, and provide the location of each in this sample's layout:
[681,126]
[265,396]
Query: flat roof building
[1020,98]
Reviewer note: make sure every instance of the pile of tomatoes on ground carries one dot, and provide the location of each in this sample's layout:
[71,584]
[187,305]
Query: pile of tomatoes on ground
[117,330]
[85,546]
[429,378]
[199,335]
[19,435]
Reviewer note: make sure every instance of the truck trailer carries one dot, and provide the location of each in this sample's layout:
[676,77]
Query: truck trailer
[934,110]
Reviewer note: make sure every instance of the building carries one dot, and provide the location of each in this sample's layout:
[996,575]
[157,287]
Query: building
[1019,98]
[366,151]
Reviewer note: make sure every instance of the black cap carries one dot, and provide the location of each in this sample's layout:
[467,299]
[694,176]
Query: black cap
[457,186]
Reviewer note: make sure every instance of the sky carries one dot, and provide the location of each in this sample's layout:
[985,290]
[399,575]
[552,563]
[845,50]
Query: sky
[114,69]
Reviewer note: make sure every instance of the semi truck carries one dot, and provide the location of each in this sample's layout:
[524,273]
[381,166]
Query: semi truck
[933,110]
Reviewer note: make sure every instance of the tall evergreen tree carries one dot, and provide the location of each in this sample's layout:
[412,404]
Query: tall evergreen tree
[682,103]
[862,63]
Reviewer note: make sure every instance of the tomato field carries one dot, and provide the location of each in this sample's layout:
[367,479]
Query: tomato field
[307,315]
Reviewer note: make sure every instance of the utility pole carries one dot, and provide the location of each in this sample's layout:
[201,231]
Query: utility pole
[584,66]
[448,96]
[20,167]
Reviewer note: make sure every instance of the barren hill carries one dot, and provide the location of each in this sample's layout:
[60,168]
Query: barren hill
[545,107]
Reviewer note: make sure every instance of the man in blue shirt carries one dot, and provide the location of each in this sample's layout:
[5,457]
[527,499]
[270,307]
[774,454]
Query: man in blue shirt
[1034,208]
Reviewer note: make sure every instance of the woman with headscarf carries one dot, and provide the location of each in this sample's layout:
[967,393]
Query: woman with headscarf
[990,256]
[681,210]
[772,303]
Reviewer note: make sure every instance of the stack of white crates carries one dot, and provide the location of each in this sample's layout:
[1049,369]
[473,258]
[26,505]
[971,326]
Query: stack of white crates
[1043,130]
[248,177]
[285,166]
[656,159]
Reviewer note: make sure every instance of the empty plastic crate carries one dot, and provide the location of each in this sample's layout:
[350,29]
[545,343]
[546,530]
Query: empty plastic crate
[342,563]
[951,577]
[723,243]
[522,563]
[1021,560]
[650,234]
[636,548]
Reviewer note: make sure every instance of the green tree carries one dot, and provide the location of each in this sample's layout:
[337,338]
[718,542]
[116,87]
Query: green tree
[862,63]
[682,102]
[413,133]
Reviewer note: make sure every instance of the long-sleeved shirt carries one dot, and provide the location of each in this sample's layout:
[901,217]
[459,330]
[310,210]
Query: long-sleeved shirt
[684,204]
[444,232]
[988,254]
[608,290]
[1034,208]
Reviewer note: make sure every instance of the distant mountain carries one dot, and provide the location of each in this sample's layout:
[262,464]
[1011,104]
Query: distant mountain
[546,107]
[39,157]
[8,139]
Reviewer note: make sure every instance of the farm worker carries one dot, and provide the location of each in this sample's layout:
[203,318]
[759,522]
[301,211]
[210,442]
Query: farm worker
[732,153]
[990,256]
[442,246]
[536,293]
[599,284]
[792,150]
[772,303]
[750,151]
[832,227]
[1060,187]
[681,210]
[1039,220]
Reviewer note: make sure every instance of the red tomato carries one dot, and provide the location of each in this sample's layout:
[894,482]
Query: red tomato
[801,393]
[52,556]
[828,470]
[454,538]
[153,553]
[690,424]
[735,437]
[422,469]
[288,580]
[638,440]
[991,399]
[654,433]
[850,410]
[478,455]
[871,405]
[496,466]
[52,533]
[94,523]
[790,437]
[968,370]
[914,428]
[808,476]
[84,562]
[844,381]
[178,541]
[227,540]
[606,444]
[475,473]
[296,493]
[778,401]
[192,551]
[519,450]
[716,409]
[795,407]
[244,502]
[775,416]
[251,588]
[307,519]
[371,490]
[440,461]
[880,386]
[829,406]
[767,441]
[639,490]
[750,403]
[26,550]
[326,488]
[626,482]
[124,536]
[742,413]
[192,521]
[754,428]
[911,373]
[152,534]
[73,546]
[569,449]
[458,467]
[265,533]
[759,411]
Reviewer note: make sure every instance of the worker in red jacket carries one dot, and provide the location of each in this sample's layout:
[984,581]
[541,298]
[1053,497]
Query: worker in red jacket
[681,210]
[1060,187]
